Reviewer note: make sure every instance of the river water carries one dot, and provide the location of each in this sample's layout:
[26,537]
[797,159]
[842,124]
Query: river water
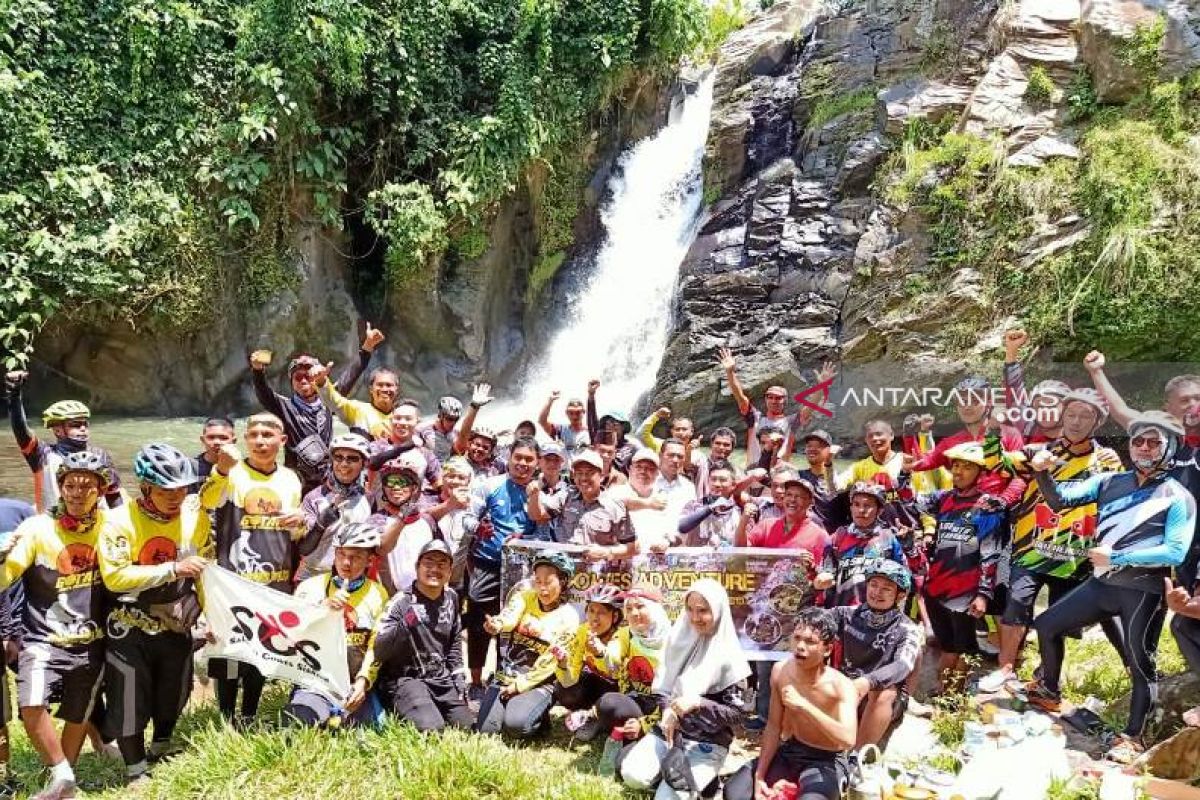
[121,436]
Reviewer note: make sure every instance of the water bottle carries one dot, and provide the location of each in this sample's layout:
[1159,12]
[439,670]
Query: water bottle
[612,748]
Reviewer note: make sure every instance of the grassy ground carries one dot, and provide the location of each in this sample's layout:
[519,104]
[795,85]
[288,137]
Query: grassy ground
[395,762]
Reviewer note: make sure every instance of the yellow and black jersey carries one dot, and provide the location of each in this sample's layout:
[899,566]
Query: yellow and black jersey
[64,596]
[248,505]
[137,557]
[364,607]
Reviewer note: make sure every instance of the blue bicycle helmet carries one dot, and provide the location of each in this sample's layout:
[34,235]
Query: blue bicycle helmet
[164,466]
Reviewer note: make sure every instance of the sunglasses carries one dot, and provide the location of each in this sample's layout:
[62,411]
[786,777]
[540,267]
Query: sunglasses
[344,459]
[1145,441]
[398,482]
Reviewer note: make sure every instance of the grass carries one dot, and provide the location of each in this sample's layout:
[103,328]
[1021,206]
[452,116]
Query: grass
[831,107]
[393,762]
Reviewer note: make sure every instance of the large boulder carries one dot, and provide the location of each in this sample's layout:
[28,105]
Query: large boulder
[1106,27]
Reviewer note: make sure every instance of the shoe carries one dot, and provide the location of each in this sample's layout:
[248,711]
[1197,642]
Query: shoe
[755,725]
[58,790]
[162,751]
[1042,698]
[919,709]
[8,788]
[588,731]
[995,680]
[109,750]
[138,783]
[1124,750]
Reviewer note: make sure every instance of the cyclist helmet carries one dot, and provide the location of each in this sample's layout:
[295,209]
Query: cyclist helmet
[164,466]
[65,411]
[85,461]
[450,407]
[303,362]
[619,417]
[485,432]
[357,534]
[1168,425]
[894,571]
[398,466]
[557,559]
[352,442]
[1050,388]
[1090,397]
[871,490]
[971,452]
[606,595]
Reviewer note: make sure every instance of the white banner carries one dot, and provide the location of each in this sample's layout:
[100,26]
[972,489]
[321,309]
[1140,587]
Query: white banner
[284,637]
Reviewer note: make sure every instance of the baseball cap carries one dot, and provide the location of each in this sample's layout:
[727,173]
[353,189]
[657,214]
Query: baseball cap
[645,454]
[554,449]
[819,433]
[588,457]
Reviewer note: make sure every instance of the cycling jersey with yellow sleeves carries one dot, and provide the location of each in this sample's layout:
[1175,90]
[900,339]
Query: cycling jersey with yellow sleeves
[356,413]
[581,660]
[64,596]
[248,504]
[526,659]
[137,562]
[364,607]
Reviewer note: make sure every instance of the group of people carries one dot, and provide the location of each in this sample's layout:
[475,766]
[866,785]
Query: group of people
[400,526]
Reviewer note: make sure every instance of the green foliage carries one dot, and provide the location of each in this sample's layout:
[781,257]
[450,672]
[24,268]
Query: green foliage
[951,713]
[1040,89]
[724,17]
[1122,285]
[1082,102]
[940,49]
[1143,49]
[830,107]
[409,217]
[158,151]
[395,761]
[1073,788]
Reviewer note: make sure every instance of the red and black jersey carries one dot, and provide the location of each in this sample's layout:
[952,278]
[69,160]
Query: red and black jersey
[966,547]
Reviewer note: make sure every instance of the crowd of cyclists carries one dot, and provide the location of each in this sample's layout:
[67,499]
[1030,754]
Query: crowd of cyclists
[924,547]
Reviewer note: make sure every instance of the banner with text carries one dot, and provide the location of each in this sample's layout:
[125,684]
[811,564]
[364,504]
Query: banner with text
[282,636]
[767,588]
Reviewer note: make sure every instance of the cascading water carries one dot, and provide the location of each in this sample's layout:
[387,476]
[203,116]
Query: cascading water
[616,324]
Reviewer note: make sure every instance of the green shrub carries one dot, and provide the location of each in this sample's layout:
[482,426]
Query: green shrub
[853,102]
[153,149]
[1040,89]
[1143,49]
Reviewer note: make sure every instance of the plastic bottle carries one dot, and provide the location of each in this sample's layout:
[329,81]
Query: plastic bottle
[612,748]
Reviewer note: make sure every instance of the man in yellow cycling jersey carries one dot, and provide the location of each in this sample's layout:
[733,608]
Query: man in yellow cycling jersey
[151,552]
[63,655]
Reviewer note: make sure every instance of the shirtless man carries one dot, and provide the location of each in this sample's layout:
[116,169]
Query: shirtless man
[812,722]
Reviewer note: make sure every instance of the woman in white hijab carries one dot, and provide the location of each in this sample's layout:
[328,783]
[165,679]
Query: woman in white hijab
[700,689]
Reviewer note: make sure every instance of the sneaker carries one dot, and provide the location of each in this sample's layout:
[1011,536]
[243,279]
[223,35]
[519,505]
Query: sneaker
[995,680]
[1042,698]
[588,731]
[919,709]
[57,790]
[1124,750]
[162,751]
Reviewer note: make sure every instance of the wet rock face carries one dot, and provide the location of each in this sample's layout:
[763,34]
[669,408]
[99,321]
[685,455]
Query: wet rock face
[796,151]
[800,259]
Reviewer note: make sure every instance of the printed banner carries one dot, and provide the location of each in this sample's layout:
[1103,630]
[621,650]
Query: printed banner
[767,588]
[284,637]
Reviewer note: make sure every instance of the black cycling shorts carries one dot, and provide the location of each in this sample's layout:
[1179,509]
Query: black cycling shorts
[47,674]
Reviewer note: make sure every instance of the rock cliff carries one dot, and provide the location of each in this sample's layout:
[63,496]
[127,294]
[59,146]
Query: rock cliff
[805,255]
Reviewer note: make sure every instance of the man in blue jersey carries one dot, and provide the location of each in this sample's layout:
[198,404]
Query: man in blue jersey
[498,503]
[1145,520]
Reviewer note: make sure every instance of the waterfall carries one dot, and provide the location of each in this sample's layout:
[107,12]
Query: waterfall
[615,324]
